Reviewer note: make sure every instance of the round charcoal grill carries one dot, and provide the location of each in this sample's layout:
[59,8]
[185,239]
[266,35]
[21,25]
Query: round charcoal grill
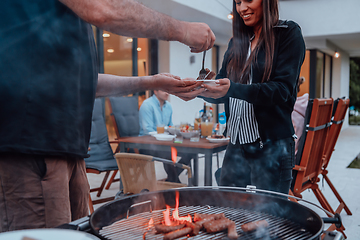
[129,218]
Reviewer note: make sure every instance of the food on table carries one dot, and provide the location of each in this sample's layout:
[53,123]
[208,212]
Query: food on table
[251,226]
[217,136]
[186,128]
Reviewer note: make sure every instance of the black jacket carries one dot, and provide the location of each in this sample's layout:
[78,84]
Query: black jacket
[273,100]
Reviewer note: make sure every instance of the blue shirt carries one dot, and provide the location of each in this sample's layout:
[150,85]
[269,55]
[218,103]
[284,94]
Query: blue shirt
[150,115]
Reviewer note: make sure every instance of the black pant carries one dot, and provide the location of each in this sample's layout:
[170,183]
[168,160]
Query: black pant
[172,172]
[268,167]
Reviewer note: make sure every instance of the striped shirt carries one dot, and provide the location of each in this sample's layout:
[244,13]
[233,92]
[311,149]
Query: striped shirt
[242,121]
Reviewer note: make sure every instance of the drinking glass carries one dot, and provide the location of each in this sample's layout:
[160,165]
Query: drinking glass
[160,128]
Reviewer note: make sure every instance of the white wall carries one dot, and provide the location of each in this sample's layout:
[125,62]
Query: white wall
[323,17]
[179,58]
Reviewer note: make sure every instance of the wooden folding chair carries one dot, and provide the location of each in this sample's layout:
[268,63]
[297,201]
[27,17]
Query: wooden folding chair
[311,161]
[124,114]
[340,108]
[138,173]
[312,152]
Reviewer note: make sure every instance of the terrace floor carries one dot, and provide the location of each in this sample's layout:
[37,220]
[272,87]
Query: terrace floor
[346,180]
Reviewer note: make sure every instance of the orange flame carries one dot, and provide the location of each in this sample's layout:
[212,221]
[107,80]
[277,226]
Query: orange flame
[173,154]
[151,223]
[166,214]
[176,211]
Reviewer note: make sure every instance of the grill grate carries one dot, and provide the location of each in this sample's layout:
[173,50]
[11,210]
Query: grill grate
[137,226]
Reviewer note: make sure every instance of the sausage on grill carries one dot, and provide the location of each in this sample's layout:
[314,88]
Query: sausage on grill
[251,226]
[195,228]
[207,218]
[217,225]
[177,233]
[232,234]
[161,228]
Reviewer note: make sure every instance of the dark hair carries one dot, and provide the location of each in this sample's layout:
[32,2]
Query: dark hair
[239,66]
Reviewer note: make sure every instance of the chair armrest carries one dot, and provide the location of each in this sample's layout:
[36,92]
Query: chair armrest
[114,141]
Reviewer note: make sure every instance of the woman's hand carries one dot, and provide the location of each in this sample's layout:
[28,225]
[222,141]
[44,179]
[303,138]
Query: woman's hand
[218,90]
[185,89]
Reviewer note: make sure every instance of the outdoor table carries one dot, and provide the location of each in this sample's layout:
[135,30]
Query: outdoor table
[203,146]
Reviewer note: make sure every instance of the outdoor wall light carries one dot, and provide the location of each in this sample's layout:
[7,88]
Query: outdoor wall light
[106,35]
[110,50]
[230,16]
[336,54]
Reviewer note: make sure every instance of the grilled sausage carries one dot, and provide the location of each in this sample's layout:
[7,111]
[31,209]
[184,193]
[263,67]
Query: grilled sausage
[251,226]
[217,225]
[161,228]
[203,218]
[195,228]
[199,216]
[232,234]
[177,233]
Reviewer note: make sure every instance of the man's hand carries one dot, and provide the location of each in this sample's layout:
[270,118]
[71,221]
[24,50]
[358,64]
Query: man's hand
[185,89]
[216,91]
[198,36]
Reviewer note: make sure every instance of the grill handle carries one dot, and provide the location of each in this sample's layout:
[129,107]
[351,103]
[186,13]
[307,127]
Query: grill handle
[138,204]
[336,220]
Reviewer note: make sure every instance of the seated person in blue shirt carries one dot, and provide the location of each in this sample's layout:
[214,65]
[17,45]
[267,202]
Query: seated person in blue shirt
[154,111]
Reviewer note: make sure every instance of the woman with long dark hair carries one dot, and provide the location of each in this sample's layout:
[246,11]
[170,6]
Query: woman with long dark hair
[257,83]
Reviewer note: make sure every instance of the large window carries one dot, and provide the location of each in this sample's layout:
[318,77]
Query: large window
[117,54]
[317,69]
[123,56]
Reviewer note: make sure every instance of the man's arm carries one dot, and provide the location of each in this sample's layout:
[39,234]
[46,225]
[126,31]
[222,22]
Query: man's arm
[111,85]
[130,18]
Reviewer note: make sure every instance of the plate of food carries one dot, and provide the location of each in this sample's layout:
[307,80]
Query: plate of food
[217,138]
[164,137]
[207,81]
[189,133]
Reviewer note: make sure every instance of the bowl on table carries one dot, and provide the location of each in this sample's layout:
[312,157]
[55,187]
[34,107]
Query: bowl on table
[164,137]
[174,130]
[189,134]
